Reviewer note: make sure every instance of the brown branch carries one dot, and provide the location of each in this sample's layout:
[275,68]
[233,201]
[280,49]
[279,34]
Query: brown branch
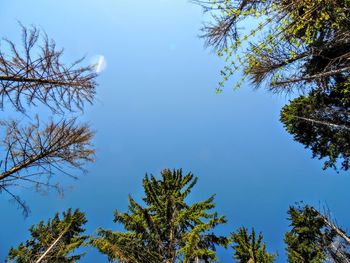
[35,72]
[39,81]
[52,149]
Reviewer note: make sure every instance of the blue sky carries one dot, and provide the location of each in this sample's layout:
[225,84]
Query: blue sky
[156,108]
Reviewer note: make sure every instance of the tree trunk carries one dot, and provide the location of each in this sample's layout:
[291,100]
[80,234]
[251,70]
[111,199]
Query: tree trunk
[309,78]
[329,124]
[52,245]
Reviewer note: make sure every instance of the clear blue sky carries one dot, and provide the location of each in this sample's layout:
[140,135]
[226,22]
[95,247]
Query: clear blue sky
[156,108]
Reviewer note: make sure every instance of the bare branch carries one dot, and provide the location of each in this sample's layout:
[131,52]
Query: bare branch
[35,73]
[32,155]
[311,78]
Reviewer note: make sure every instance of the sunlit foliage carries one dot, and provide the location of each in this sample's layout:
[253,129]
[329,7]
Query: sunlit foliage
[250,248]
[167,228]
[54,241]
[293,46]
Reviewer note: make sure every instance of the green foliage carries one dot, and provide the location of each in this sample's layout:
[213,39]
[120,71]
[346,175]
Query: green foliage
[167,228]
[294,46]
[287,34]
[250,248]
[58,238]
[319,122]
[308,239]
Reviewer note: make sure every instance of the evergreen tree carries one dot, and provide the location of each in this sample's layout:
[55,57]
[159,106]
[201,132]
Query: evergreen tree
[315,237]
[322,123]
[53,241]
[309,238]
[250,248]
[167,228]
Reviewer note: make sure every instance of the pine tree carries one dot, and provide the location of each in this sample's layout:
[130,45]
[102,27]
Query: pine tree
[250,248]
[167,228]
[53,241]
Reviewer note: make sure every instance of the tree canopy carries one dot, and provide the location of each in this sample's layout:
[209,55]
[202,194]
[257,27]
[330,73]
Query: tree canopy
[294,46]
[53,241]
[321,122]
[250,248]
[167,228]
[305,241]
[314,237]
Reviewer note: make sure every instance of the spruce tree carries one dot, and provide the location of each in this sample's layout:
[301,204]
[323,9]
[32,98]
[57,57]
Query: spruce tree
[249,248]
[165,227]
[315,237]
[53,241]
[321,122]
[308,239]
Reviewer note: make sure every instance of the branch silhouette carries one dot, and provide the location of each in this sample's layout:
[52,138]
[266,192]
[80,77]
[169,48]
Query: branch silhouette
[35,73]
[32,154]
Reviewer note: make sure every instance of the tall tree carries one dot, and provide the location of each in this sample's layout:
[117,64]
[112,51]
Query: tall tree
[54,241]
[321,122]
[314,237]
[306,240]
[30,154]
[250,248]
[295,46]
[167,228]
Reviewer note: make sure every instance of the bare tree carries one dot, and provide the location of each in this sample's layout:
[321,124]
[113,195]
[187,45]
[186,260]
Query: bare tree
[33,154]
[35,73]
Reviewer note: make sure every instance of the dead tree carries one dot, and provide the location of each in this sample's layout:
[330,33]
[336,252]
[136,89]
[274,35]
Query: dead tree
[31,74]
[35,73]
[32,154]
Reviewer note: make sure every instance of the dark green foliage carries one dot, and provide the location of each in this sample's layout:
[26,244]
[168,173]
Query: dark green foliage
[321,122]
[166,228]
[309,238]
[250,248]
[58,238]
